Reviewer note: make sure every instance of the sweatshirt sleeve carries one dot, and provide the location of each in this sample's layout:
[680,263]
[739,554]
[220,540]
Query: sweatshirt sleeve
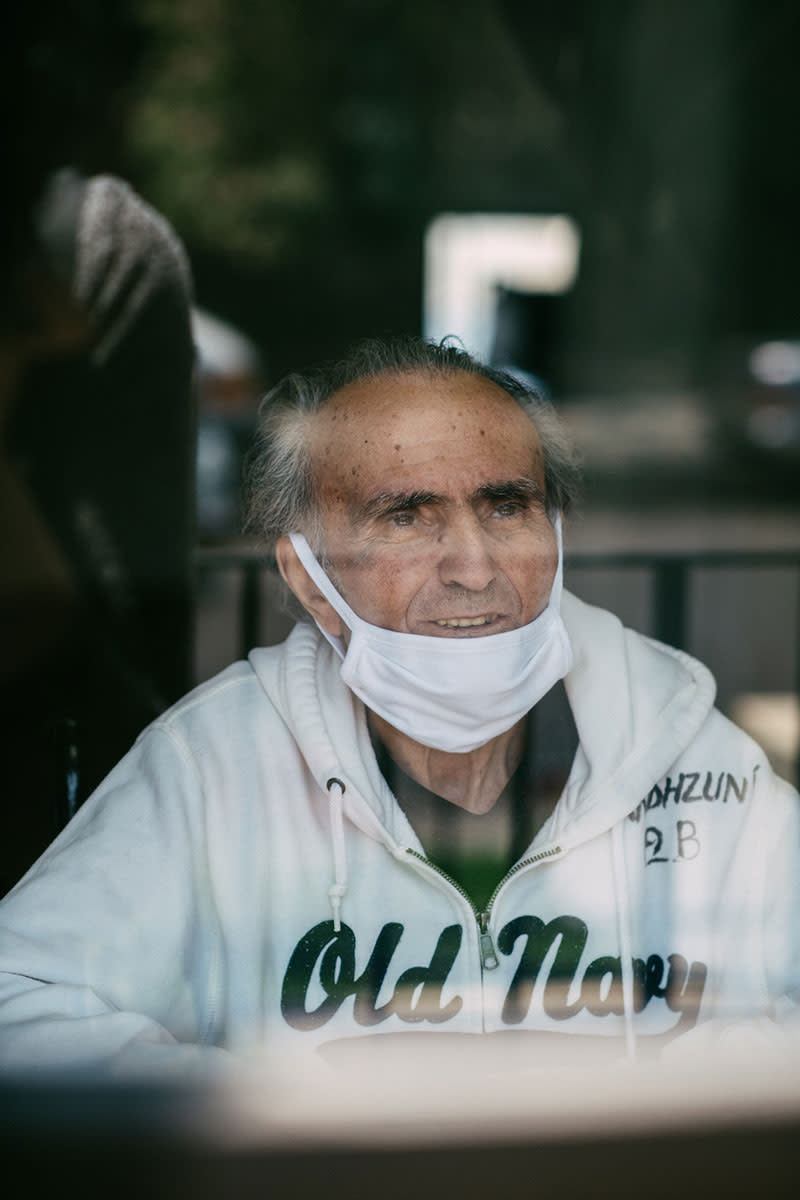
[781,930]
[762,941]
[109,946]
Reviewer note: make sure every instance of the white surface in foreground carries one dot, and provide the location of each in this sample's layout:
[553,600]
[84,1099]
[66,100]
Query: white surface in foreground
[420,1094]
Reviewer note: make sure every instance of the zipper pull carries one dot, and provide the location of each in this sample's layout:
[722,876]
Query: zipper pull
[488,953]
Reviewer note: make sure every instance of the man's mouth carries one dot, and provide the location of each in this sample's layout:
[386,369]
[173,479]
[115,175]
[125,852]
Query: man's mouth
[466,622]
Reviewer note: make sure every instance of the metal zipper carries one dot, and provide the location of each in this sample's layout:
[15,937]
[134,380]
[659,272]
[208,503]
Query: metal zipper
[524,862]
[486,945]
[488,953]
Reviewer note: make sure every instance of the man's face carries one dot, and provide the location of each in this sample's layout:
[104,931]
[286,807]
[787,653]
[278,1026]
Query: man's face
[431,490]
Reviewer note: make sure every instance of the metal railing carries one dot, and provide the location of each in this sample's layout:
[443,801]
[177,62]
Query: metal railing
[671,573]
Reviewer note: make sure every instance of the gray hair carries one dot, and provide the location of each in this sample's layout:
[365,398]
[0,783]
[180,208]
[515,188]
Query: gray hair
[280,490]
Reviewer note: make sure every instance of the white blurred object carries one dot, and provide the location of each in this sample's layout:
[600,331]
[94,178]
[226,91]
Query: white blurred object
[469,255]
[221,348]
[417,1091]
[229,375]
[775,363]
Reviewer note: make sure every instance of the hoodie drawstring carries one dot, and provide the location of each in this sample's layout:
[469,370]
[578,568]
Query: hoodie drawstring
[338,888]
[624,932]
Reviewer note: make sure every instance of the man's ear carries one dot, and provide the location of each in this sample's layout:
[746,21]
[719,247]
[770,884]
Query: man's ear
[302,585]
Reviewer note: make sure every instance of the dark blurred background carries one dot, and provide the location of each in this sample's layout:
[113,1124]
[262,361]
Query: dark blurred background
[318,162]
[302,148]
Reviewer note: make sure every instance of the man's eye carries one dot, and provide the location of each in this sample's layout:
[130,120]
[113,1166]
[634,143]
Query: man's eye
[509,508]
[403,518]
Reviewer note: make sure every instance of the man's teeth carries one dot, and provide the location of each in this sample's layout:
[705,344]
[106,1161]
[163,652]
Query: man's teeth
[465,622]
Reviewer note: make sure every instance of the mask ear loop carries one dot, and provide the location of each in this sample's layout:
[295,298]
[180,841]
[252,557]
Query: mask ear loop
[340,605]
[558,578]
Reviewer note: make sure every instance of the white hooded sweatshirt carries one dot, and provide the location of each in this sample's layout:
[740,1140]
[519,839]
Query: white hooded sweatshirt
[244,878]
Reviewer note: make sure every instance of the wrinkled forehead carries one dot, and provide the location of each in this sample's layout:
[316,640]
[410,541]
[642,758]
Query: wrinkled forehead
[402,413]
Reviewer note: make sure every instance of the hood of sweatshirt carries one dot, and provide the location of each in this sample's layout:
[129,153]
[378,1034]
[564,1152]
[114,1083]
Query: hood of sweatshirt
[637,705]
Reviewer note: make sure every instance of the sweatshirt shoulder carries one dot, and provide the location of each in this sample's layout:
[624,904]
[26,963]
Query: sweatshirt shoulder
[740,752]
[233,698]
[229,685]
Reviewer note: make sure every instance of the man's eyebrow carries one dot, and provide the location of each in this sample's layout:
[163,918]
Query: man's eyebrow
[387,503]
[522,488]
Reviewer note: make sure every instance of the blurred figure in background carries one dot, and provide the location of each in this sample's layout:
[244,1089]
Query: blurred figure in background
[98,507]
[96,429]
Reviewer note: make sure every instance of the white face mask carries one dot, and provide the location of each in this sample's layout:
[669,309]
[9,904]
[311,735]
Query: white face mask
[448,693]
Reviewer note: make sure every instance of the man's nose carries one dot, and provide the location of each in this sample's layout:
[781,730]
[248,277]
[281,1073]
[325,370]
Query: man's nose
[466,554]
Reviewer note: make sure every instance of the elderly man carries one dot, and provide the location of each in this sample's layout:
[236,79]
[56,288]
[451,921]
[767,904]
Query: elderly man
[452,801]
